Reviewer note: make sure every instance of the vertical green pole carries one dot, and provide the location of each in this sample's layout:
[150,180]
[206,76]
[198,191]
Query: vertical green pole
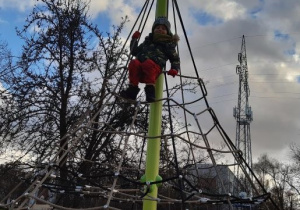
[154,129]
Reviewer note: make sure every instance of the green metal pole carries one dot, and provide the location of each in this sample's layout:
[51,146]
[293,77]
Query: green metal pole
[154,129]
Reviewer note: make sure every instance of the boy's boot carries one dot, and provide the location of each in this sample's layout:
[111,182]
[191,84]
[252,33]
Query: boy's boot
[150,93]
[130,93]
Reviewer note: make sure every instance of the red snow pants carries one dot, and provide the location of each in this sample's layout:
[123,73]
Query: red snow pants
[146,72]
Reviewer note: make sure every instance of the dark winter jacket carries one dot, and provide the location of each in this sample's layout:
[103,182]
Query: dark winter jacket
[159,52]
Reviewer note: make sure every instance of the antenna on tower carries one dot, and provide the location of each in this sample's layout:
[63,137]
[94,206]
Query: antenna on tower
[243,113]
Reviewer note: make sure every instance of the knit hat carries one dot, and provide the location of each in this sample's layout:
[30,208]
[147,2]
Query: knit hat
[162,21]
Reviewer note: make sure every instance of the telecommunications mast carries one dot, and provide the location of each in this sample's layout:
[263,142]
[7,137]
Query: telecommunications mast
[242,112]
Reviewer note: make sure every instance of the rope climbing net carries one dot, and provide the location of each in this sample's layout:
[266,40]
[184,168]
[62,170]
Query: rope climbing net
[196,153]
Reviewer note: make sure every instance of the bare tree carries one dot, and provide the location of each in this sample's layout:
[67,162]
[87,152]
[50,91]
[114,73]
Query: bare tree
[60,74]
[276,178]
[294,179]
[11,174]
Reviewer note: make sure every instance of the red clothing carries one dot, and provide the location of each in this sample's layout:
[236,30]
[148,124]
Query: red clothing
[145,72]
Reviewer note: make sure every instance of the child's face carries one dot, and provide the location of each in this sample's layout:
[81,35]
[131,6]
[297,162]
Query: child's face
[160,29]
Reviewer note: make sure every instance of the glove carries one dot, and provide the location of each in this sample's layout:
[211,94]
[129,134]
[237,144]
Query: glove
[136,35]
[172,72]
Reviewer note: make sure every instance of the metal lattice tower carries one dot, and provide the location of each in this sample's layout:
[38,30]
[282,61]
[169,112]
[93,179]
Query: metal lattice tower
[242,112]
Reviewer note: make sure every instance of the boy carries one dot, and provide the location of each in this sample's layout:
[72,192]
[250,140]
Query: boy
[151,56]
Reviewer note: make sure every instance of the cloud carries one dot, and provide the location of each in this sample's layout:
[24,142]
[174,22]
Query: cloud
[214,29]
[225,10]
[19,5]
[97,7]
[272,45]
[3,21]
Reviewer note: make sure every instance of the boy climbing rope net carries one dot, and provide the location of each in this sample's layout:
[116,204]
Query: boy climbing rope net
[151,57]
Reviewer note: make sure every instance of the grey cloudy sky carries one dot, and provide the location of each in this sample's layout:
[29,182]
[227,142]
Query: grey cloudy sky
[215,28]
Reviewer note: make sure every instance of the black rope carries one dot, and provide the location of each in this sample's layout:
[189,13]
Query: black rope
[144,8]
[142,25]
[202,86]
[142,13]
[180,183]
[73,188]
[240,156]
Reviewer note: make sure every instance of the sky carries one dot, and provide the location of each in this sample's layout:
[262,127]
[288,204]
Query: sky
[214,28]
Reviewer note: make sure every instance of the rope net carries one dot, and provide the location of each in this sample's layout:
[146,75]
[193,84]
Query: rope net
[196,164]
